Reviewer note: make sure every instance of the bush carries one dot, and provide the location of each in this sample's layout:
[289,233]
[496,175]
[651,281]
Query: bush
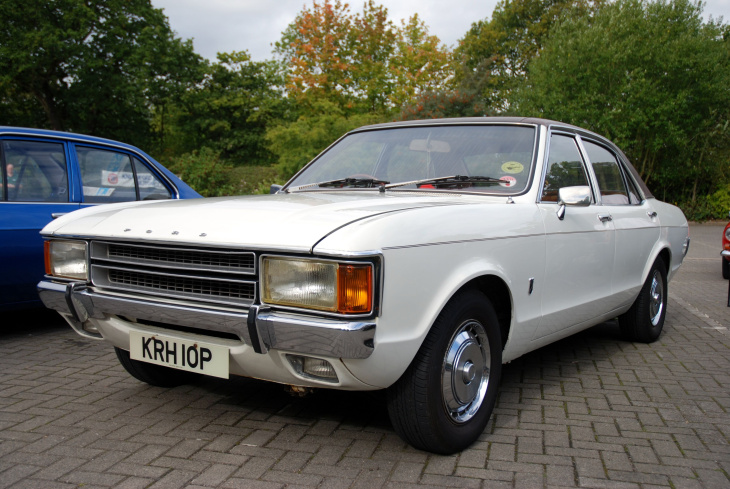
[204,171]
[254,179]
[706,208]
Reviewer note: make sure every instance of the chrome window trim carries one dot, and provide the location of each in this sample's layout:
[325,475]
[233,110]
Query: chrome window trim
[622,169]
[530,179]
[72,138]
[589,176]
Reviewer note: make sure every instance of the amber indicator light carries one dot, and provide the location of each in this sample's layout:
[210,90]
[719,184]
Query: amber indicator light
[355,286]
[47,256]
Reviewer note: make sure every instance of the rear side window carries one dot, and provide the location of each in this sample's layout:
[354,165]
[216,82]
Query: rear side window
[34,171]
[564,167]
[608,173]
[111,176]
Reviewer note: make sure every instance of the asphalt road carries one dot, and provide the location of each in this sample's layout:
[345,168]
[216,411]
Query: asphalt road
[588,411]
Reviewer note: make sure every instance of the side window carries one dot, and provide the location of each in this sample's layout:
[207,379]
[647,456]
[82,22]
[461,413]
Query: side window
[111,176]
[564,167]
[34,171]
[150,187]
[608,174]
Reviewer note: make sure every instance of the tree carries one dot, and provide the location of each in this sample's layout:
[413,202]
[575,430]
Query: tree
[650,75]
[493,55]
[93,66]
[361,62]
[232,107]
[296,143]
[347,70]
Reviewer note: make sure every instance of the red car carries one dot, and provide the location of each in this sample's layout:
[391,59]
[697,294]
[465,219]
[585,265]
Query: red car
[726,251]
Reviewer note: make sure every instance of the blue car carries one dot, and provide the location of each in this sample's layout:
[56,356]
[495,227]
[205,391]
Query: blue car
[45,174]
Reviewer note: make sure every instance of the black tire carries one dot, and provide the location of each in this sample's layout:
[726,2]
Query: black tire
[645,320]
[725,269]
[433,406]
[152,374]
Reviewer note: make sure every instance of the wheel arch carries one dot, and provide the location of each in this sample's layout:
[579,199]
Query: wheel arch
[499,294]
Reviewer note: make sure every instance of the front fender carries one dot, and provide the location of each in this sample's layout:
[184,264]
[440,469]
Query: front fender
[419,281]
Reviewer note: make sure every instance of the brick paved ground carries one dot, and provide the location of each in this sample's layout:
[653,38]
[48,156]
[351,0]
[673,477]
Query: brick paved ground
[589,411]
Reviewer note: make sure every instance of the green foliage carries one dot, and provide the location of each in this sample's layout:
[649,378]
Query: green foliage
[492,57]
[92,66]
[708,207]
[254,179]
[436,105]
[297,143]
[651,76]
[232,108]
[362,62]
[204,171]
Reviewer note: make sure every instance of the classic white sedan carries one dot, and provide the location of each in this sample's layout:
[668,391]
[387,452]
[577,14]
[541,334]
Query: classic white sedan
[416,257]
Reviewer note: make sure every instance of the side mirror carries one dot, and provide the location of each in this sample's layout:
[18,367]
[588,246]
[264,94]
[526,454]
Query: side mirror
[579,196]
[275,188]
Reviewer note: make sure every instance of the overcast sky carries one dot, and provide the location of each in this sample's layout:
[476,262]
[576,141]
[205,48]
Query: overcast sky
[254,25]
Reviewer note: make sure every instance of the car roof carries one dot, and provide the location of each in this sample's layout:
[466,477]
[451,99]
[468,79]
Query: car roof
[29,131]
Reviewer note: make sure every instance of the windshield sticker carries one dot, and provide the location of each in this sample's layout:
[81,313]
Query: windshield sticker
[117,179]
[508,181]
[98,191]
[513,167]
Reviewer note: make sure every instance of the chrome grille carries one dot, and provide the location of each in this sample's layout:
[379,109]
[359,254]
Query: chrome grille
[172,257]
[202,275]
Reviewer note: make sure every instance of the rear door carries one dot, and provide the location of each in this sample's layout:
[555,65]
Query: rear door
[35,181]
[636,223]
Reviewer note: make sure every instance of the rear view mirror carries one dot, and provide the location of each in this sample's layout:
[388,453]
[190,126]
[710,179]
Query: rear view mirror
[579,196]
[429,145]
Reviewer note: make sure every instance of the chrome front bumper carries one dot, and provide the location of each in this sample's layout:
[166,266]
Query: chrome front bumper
[259,327]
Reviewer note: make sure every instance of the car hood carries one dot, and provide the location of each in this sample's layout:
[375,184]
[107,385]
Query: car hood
[294,221]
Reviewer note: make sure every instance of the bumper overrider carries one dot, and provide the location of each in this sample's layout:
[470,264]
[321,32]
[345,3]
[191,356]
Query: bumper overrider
[259,327]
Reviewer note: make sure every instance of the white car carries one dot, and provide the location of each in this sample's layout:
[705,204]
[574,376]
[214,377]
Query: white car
[416,257]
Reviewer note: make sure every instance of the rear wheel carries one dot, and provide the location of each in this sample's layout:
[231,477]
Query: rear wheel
[149,373]
[444,399]
[645,320]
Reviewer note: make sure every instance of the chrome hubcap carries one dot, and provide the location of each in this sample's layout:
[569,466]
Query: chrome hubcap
[656,301]
[465,373]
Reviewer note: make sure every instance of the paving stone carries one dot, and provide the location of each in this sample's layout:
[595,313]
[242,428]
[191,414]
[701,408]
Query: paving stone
[588,411]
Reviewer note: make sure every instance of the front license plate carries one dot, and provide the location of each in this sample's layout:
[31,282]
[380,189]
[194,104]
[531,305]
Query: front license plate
[193,356]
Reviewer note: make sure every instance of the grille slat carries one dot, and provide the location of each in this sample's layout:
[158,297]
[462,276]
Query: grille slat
[243,262]
[199,274]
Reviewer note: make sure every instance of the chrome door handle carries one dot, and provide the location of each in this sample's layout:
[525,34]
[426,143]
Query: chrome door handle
[605,217]
[652,214]
[56,215]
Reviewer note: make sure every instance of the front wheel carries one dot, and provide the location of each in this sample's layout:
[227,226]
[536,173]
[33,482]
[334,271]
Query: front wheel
[149,373]
[444,399]
[645,320]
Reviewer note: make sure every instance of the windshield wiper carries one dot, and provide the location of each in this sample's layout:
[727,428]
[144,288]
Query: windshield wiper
[345,182]
[454,181]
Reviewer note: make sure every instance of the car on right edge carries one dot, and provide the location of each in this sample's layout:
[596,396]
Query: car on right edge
[726,251]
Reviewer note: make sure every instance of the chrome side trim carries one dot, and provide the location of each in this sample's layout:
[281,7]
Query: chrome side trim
[275,330]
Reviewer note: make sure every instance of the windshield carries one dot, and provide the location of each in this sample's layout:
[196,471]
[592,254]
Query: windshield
[417,154]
